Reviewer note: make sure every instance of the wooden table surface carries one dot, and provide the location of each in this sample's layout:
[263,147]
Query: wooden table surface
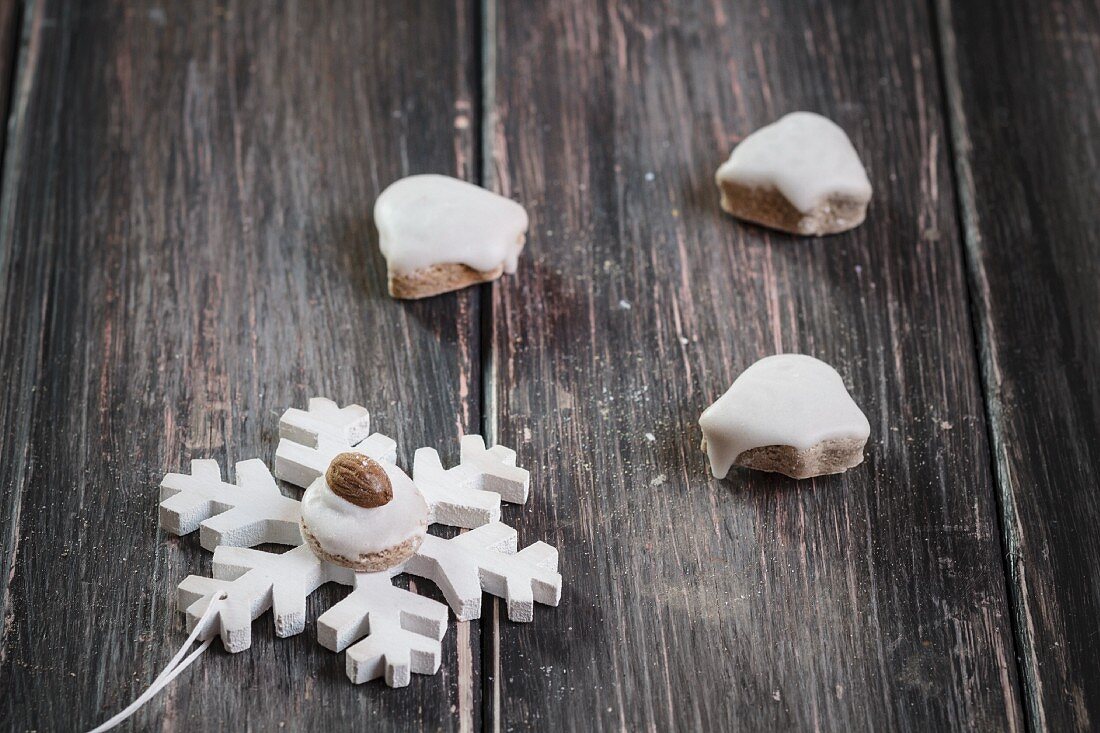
[186,249]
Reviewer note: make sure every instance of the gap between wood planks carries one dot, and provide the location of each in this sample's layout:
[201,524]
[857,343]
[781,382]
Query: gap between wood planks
[962,181]
[484,45]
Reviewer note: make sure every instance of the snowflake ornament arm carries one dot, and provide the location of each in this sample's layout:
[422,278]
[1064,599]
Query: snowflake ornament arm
[310,439]
[386,631]
[469,494]
[255,581]
[400,631]
[485,559]
[251,512]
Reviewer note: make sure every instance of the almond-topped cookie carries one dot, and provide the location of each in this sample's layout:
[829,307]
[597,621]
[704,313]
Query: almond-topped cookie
[439,234]
[799,175]
[363,514]
[790,414]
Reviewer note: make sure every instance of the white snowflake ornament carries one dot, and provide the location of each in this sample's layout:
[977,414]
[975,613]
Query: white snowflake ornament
[385,631]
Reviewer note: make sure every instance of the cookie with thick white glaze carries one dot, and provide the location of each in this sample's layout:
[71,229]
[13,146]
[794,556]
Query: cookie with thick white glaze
[790,414]
[439,234]
[799,175]
[363,514]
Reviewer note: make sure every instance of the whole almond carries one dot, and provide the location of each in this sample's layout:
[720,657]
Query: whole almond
[359,479]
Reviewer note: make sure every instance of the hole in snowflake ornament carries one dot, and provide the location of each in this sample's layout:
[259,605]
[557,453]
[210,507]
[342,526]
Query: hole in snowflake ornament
[385,630]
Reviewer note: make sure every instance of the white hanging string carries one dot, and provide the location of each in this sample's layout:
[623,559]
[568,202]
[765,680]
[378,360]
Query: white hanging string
[173,668]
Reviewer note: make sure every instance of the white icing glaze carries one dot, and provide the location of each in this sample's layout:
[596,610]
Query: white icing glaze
[430,220]
[787,399]
[807,157]
[343,528]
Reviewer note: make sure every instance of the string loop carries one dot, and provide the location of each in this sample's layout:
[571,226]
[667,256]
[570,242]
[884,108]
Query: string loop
[173,668]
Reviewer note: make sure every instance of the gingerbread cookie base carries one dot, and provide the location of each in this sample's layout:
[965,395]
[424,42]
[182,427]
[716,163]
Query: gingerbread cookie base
[827,457]
[374,562]
[768,207]
[438,279]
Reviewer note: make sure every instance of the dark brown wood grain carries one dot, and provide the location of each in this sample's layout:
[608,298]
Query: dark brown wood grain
[18,356]
[871,601]
[1024,80]
[185,251]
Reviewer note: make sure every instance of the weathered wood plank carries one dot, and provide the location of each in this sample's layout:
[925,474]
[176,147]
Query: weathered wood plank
[872,601]
[1023,81]
[186,251]
[19,354]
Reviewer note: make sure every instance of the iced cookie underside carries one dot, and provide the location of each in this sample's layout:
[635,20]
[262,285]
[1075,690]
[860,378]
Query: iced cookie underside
[804,156]
[430,220]
[789,399]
